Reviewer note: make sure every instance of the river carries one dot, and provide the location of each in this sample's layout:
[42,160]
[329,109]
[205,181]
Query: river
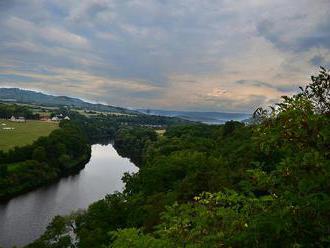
[25,218]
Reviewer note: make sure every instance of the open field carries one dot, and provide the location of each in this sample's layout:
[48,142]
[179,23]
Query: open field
[19,134]
[92,113]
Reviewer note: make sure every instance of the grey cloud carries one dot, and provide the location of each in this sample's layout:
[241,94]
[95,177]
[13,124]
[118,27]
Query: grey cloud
[265,28]
[150,42]
[294,33]
[5,4]
[281,88]
[255,83]
[321,40]
[319,60]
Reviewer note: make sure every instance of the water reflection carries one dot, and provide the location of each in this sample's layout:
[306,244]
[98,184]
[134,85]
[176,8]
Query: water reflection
[24,218]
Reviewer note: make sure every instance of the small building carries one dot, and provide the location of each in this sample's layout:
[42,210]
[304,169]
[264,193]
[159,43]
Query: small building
[44,118]
[67,118]
[19,119]
[55,118]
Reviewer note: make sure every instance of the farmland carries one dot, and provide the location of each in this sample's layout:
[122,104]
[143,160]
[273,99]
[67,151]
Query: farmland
[23,133]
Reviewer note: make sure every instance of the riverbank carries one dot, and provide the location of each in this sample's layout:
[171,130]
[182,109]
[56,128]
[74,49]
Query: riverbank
[65,151]
[76,168]
[25,218]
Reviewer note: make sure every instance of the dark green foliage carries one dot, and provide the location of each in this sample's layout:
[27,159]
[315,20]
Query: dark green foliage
[9,110]
[39,154]
[134,238]
[64,151]
[107,126]
[318,92]
[131,142]
[264,185]
[230,127]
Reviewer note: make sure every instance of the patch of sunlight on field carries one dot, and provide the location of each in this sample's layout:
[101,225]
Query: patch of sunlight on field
[23,133]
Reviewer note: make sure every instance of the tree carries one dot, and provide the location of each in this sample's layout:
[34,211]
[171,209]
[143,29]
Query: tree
[319,91]
[39,154]
[3,170]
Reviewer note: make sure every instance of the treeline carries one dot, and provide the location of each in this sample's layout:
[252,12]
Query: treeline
[262,185]
[64,151]
[106,126]
[9,110]
[132,142]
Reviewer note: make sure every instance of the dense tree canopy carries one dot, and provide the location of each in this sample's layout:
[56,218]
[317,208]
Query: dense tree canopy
[64,151]
[261,185]
[9,110]
[106,126]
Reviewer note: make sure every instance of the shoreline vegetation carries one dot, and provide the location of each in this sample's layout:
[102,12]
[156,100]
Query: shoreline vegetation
[262,184]
[65,151]
[76,169]
[265,184]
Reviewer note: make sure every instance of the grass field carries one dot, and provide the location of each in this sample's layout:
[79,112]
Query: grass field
[23,133]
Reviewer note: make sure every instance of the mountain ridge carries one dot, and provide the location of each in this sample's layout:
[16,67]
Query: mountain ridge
[39,98]
[33,97]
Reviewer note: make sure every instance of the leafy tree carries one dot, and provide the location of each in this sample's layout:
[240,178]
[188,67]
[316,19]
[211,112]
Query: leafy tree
[134,238]
[262,185]
[318,92]
[39,154]
[64,151]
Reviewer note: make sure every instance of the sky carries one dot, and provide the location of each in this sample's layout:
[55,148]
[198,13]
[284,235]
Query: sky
[210,55]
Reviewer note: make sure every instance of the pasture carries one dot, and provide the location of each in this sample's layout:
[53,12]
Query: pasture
[23,133]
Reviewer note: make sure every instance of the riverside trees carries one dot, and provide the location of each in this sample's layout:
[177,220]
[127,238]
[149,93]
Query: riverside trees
[262,185]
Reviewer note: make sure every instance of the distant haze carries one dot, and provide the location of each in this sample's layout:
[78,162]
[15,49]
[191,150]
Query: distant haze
[210,55]
[204,117]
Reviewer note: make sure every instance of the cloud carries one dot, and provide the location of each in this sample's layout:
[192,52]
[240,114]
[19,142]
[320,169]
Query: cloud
[49,34]
[297,27]
[281,88]
[319,60]
[180,54]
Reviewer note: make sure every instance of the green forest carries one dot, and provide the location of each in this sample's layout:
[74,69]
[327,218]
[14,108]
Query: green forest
[9,110]
[265,184]
[64,151]
[104,126]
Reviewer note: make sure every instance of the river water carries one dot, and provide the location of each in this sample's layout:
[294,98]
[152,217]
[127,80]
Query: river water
[25,218]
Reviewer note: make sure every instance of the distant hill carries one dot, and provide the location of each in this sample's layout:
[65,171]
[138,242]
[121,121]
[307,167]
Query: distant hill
[205,117]
[38,98]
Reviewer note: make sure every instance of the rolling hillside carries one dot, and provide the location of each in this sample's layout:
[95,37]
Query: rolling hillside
[38,98]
